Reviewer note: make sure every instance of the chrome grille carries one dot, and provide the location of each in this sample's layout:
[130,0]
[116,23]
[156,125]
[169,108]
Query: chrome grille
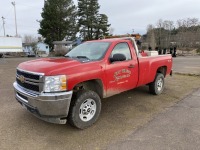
[30,80]
[28,75]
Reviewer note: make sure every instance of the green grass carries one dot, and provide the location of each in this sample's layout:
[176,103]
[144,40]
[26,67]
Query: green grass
[198,50]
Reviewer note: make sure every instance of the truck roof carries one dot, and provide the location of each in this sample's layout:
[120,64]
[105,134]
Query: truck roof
[113,39]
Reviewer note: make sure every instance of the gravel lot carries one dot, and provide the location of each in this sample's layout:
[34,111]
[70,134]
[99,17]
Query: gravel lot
[187,65]
[121,115]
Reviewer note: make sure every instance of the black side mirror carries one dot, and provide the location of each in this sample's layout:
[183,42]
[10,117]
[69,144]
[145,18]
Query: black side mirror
[118,57]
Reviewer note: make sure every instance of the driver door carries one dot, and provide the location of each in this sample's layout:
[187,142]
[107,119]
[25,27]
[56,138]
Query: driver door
[121,75]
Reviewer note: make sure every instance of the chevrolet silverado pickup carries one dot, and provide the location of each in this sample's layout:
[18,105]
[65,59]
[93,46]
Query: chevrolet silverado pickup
[70,89]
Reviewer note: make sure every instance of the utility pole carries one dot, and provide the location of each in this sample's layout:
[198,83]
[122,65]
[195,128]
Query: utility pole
[3,25]
[13,3]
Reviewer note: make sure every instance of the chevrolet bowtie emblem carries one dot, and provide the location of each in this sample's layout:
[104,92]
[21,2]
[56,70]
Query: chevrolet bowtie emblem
[22,79]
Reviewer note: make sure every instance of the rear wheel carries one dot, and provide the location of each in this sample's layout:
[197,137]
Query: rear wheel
[157,86]
[85,109]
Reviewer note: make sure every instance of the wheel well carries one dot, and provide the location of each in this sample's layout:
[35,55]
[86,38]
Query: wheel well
[162,70]
[93,85]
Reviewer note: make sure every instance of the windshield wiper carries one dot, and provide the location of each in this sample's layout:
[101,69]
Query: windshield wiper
[82,57]
[79,57]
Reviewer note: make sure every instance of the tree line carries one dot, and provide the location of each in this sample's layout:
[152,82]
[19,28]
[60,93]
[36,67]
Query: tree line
[184,34]
[62,19]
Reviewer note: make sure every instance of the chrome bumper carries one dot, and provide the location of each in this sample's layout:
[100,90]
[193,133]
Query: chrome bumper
[50,107]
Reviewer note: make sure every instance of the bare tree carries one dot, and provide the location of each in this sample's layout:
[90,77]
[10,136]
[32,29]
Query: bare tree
[185,33]
[188,32]
[151,36]
[168,26]
[29,39]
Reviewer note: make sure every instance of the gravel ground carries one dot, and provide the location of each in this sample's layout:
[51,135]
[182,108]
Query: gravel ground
[187,65]
[121,115]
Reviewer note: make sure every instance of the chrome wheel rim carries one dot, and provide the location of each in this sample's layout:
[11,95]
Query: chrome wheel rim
[87,110]
[160,84]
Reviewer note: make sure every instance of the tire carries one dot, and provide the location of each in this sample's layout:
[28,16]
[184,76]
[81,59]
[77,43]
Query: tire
[85,109]
[157,86]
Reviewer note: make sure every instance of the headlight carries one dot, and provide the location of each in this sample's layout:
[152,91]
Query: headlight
[55,83]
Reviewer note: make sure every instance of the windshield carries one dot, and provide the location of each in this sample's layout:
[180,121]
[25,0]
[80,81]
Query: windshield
[89,50]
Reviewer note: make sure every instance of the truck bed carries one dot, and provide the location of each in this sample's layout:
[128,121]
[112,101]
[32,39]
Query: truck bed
[148,66]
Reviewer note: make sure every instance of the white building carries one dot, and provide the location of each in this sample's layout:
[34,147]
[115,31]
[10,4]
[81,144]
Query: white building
[42,49]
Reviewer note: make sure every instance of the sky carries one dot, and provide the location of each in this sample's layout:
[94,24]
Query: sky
[125,16]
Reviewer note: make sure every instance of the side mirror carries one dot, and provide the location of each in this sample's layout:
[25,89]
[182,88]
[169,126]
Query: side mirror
[118,57]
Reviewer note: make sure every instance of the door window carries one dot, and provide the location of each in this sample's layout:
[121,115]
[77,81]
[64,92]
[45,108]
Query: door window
[122,48]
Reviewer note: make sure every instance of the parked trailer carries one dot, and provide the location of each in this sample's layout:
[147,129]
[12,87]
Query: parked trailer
[10,45]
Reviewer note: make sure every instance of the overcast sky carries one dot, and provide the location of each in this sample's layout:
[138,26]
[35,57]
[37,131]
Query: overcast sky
[124,15]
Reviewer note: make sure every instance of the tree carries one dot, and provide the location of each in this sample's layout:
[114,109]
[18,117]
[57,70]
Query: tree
[29,39]
[58,21]
[188,32]
[151,36]
[92,25]
[87,11]
[185,34]
[102,27]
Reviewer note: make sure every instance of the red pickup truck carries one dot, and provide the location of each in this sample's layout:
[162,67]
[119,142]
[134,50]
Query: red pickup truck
[70,89]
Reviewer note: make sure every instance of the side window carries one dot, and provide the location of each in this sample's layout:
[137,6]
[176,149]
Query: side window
[122,48]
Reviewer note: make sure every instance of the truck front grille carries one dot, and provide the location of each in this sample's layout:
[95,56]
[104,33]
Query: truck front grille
[28,86]
[28,75]
[30,81]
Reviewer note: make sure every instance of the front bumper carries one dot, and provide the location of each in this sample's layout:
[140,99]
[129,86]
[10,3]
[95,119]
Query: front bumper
[50,107]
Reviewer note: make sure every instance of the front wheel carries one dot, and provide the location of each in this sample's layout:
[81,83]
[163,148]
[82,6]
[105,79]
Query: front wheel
[157,86]
[85,109]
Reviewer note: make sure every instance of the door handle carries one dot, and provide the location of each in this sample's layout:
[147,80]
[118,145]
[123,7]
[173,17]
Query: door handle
[131,66]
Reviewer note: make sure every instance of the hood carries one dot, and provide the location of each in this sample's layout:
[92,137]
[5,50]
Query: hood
[48,65]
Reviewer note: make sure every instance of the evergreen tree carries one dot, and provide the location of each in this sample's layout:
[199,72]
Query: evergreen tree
[58,21]
[102,28]
[90,20]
